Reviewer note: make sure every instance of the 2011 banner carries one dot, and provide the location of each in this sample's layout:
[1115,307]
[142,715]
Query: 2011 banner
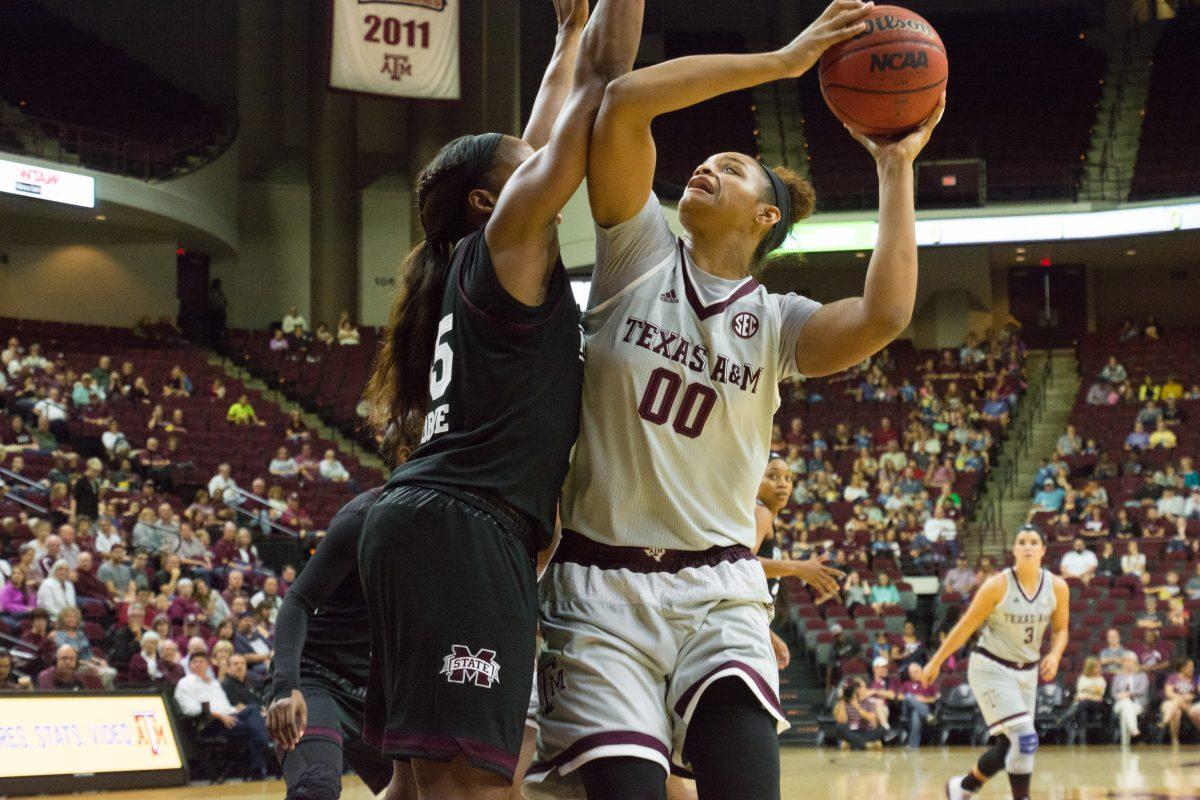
[398,48]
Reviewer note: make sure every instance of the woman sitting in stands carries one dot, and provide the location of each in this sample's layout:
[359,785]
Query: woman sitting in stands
[179,384]
[323,334]
[217,390]
[346,332]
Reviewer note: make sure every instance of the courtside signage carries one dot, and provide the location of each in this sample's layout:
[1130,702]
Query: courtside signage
[398,48]
[43,183]
[84,735]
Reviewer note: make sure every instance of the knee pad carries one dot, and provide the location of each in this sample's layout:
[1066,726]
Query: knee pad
[994,759]
[319,781]
[623,778]
[1020,756]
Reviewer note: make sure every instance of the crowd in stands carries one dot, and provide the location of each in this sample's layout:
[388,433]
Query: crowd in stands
[129,554]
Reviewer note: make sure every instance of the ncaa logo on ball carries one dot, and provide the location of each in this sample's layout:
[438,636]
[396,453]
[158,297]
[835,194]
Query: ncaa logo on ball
[745,324]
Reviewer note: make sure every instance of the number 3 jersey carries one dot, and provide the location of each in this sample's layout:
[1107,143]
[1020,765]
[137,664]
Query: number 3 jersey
[503,391]
[679,391]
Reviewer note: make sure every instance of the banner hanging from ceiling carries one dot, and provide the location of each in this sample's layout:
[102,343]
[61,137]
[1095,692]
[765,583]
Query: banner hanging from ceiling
[397,48]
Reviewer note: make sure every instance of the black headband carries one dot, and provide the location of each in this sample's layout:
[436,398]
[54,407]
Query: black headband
[481,149]
[783,201]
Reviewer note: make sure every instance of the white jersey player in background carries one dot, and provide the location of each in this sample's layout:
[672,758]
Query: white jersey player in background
[655,611]
[1013,608]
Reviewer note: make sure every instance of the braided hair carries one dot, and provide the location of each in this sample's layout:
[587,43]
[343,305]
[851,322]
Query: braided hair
[396,392]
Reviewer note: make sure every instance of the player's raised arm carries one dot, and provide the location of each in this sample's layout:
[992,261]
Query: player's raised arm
[841,334]
[560,72]
[985,601]
[622,157]
[521,229]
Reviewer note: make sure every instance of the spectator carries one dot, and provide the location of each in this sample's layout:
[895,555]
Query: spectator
[918,700]
[940,528]
[818,518]
[1079,563]
[883,687]
[1113,372]
[332,470]
[1179,698]
[184,606]
[1109,563]
[253,645]
[1134,561]
[116,575]
[68,632]
[1050,498]
[1152,656]
[61,677]
[1102,394]
[347,334]
[1192,587]
[85,494]
[1139,439]
[233,681]
[884,592]
[1069,443]
[222,488]
[87,585]
[858,723]
[1172,389]
[178,384]
[145,667]
[234,587]
[1131,695]
[242,413]
[324,335]
[245,556]
[294,516]
[283,465]
[18,596]
[960,578]
[127,640]
[911,650]
[243,724]
[57,591]
[291,320]
[52,412]
[278,343]
[1149,617]
[296,430]
[1088,706]
[269,594]
[10,681]
[1163,437]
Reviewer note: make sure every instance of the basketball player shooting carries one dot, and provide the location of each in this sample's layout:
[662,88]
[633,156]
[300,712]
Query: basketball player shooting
[1013,609]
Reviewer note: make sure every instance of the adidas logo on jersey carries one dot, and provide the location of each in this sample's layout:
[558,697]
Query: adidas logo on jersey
[669,297]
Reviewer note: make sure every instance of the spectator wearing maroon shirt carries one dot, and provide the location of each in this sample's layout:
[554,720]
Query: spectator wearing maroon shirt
[225,548]
[919,700]
[858,724]
[235,587]
[86,582]
[62,677]
[1151,654]
[794,437]
[1179,698]
[9,682]
[882,689]
[184,606]
[294,516]
[884,433]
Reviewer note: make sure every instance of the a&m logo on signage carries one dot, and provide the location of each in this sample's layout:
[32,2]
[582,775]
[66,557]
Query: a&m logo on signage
[150,731]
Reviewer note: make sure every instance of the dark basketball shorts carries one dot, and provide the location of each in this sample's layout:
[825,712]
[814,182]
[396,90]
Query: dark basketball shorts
[452,593]
[335,713]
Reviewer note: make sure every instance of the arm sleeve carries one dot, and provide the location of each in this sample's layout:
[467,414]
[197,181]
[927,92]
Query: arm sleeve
[630,249]
[794,311]
[333,560]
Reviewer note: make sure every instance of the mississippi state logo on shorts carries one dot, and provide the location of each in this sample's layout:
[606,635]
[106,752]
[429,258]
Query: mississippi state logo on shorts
[479,668]
[745,324]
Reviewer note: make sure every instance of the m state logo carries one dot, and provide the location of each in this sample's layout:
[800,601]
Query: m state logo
[462,665]
[745,324]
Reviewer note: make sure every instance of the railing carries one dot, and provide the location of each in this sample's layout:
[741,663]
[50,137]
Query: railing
[987,526]
[109,152]
[27,484]
[264,505]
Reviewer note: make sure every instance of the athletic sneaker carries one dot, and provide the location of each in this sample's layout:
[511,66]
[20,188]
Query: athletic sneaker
[954,790]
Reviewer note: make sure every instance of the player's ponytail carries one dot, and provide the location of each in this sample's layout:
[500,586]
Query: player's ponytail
[396,391]
[798,204]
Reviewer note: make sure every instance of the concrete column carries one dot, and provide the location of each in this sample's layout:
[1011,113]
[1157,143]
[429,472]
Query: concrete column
[333,181]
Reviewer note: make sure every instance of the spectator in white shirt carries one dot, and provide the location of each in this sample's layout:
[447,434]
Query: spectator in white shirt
[68,551]
[52,412]
[238,723]
[1079,563]
[291,320]
[283,465]
[331,469]
[939,528]
[1171,504]
[114,441]
[222,488]
[1134,561]
[57,592]
[268,594]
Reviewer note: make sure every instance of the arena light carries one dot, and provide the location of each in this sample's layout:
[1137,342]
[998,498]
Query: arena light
[830,237]
[43,183]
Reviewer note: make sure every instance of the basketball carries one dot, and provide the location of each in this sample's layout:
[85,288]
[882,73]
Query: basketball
[888,79]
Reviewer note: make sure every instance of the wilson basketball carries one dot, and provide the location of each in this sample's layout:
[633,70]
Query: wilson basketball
[888,79]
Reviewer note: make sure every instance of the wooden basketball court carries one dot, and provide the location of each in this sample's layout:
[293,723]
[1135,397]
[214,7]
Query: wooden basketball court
[1063,773]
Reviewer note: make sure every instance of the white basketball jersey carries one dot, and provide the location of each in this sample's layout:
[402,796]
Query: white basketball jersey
[1014,629]
[678,400]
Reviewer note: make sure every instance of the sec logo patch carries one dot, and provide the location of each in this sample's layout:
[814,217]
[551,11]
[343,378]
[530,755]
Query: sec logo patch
[745,324]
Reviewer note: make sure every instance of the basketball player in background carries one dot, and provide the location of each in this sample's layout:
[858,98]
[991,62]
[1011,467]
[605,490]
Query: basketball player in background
[1013,609]
[655,611]
[484,345]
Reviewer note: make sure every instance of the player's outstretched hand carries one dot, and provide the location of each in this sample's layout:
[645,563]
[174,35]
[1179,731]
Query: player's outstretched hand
[842,20]
[929,673]
[286,720]
[783,656]
[572,14]
[907,148]
[1049,668]
[817,574]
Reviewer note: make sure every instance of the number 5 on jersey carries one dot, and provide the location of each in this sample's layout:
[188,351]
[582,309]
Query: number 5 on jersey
[439,380]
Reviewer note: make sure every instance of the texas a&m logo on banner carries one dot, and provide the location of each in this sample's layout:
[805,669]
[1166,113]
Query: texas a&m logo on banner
[401,48]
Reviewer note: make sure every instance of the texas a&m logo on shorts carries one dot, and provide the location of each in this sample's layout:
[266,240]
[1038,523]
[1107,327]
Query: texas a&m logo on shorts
[745,324]
[435,5]
[462,666]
